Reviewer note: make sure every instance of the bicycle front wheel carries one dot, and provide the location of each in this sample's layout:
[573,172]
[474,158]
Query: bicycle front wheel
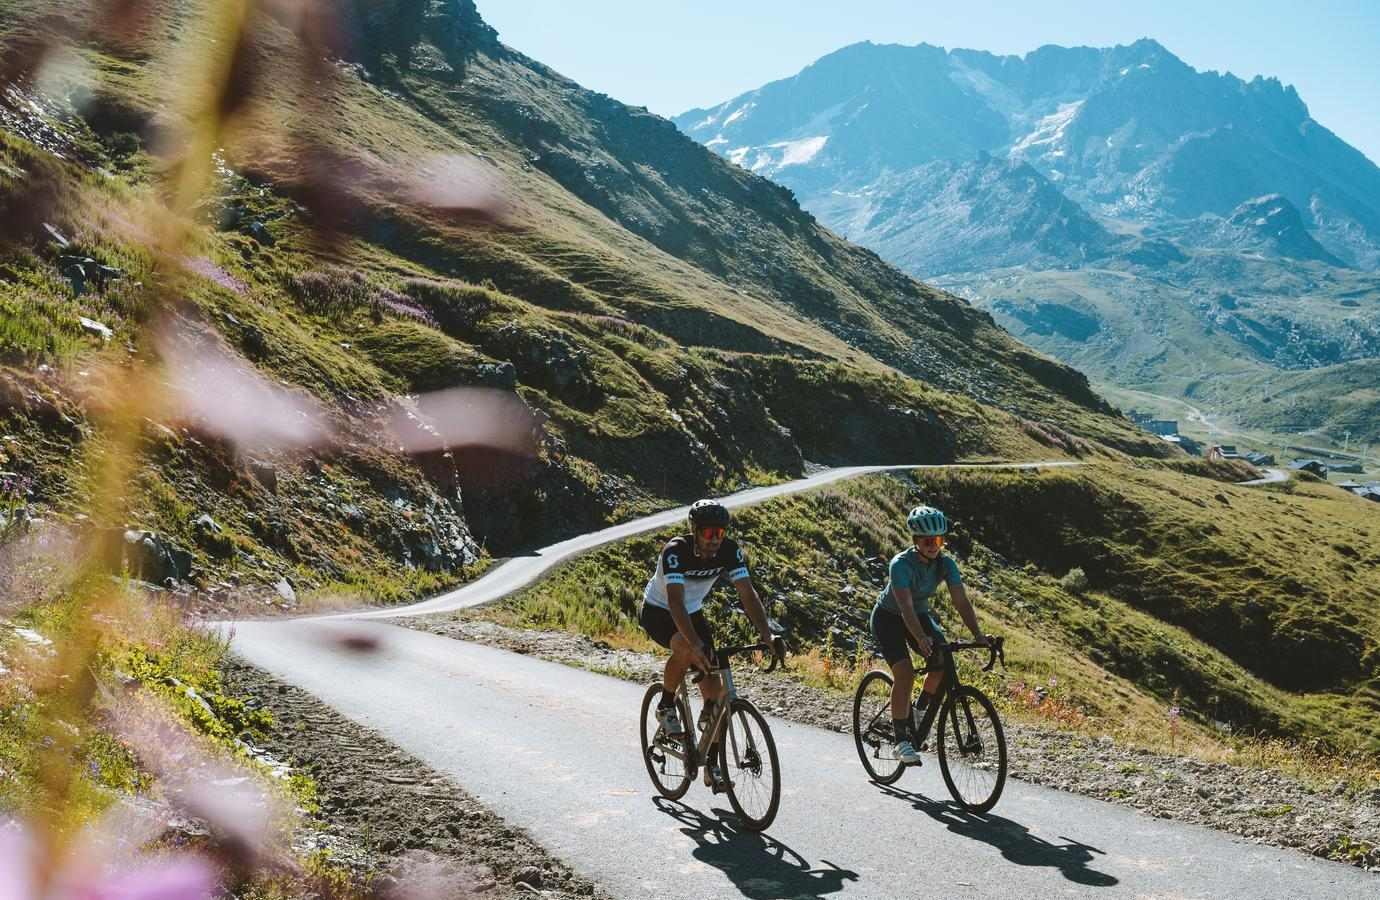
[972,749]
[747,756]
[666,757]
[872,729]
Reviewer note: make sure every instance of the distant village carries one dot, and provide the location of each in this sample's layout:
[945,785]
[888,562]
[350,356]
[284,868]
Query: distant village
[1321,464]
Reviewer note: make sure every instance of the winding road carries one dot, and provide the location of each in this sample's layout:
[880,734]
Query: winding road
[555,750]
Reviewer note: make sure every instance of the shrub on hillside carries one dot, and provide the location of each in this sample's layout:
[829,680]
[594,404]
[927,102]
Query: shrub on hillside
[1075,581]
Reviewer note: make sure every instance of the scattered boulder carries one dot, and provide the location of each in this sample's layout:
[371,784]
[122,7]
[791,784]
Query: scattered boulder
[211,537]
[266,473]
[260,233]
[91,326]
[255,343]
[148,556]
[81,271]
[286,591]
[498,375]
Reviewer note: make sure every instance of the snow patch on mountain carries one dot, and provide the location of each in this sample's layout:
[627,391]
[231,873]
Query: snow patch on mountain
[1050,130]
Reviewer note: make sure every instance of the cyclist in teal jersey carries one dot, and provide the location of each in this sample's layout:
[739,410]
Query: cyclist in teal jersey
[902,620]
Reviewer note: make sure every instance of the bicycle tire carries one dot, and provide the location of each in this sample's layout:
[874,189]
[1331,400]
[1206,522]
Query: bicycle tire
[867,738]
[972,749]
[741,760]
[670,784]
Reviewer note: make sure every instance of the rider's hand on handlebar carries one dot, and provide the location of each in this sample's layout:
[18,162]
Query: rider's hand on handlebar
[925,645]
[698,659]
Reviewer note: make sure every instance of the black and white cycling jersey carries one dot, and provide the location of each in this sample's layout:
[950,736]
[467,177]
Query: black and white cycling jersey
[678,564]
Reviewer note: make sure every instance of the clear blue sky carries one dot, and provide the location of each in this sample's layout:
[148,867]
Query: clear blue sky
[674,55]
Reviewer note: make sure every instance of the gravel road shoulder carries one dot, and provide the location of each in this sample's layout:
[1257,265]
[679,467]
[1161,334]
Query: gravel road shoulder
[379,806]
[1257,805]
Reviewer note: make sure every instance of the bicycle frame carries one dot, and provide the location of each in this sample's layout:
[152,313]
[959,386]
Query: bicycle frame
[697,752]
[951,681]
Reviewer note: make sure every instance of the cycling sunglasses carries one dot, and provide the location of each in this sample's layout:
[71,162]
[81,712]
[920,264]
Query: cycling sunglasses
[935,540]
[712,532]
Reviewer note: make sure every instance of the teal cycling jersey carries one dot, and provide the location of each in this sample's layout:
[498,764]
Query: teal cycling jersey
[909,570]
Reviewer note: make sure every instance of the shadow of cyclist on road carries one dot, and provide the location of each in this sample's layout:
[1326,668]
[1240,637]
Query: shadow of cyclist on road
[1013,839]
[761,867]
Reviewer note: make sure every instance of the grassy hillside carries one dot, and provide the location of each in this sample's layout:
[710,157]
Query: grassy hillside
[657,372]
[1254,609]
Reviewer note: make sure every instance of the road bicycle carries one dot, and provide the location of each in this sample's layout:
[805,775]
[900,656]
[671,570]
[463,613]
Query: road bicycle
[968,735]
[746,750]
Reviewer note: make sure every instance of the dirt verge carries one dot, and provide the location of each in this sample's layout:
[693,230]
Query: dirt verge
[379,805]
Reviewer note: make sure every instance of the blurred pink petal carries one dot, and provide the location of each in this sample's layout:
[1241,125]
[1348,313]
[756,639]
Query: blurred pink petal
[457,185]
[227,796]
[420,875]
[184,877]
[219,393]
[464,417]
[16,863]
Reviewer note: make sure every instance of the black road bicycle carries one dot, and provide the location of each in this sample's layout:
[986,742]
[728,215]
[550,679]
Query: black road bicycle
[967,733]
[747,753]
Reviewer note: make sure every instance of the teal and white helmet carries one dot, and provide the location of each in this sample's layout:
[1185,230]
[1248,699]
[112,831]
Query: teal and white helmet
[927,521]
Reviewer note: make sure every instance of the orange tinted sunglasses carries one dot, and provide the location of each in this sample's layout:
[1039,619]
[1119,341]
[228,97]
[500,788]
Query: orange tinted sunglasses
[712,533]
[936,540]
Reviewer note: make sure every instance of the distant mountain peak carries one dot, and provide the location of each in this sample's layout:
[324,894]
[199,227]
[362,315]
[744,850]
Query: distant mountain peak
[1273,224]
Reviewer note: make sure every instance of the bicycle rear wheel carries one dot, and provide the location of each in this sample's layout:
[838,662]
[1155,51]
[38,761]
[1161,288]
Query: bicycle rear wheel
[872,731]
[747,757]
[665,757]
[972,749]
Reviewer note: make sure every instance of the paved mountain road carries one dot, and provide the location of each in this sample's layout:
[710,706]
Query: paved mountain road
[555,750]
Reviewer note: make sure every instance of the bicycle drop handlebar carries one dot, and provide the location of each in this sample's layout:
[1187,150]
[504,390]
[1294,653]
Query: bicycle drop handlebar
[996,650]
[722,656]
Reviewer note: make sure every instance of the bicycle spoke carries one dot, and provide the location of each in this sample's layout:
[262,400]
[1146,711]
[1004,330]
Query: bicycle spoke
[972,750]
[872,731]
[664,757]
[751,767]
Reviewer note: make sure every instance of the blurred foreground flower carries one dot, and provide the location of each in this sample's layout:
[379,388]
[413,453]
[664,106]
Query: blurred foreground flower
[217,392]
[464,417]
[459,187]
[95,870]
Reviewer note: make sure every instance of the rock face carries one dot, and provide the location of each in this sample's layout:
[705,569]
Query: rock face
[957,217]
[1270,225]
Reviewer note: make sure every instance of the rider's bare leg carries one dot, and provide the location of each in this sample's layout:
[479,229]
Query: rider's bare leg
[711,688]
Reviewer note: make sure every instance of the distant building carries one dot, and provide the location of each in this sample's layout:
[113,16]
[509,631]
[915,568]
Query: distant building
[1257,458]
[1316,466]
[1351,468]
[1223,451]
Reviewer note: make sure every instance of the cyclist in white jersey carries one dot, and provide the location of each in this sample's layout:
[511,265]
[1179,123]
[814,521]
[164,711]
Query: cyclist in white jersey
[672,610]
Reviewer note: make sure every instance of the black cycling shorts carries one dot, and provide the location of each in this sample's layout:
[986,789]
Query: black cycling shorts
[660,627]
[894,638]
